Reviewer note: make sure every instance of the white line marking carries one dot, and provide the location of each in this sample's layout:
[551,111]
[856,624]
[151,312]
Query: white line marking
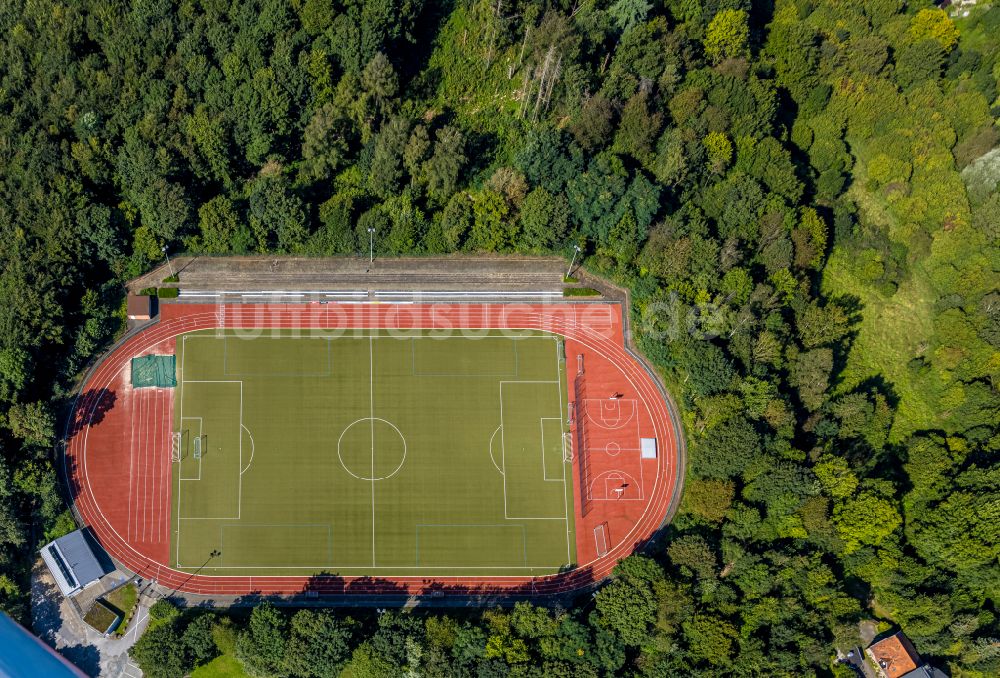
[371,407]
[131,465]
[239,496]
[541,426]
[145,466]
[584,337]
[503,454]
[253,447]
[562,431]
[491,449]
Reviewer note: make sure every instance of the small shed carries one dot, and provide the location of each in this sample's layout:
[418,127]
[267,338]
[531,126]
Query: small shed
[139,307]
[72,562]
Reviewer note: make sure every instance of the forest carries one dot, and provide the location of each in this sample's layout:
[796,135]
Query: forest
[801,195]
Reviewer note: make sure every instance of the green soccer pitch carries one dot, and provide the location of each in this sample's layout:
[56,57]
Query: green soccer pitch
[370,453]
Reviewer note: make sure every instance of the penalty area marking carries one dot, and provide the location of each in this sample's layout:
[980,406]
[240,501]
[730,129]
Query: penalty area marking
[239,491]
[503,450]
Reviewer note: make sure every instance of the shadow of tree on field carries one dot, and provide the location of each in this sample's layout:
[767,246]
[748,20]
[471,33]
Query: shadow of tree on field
[91,407]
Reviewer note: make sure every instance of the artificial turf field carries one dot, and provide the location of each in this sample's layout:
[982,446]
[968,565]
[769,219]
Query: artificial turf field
[370,453]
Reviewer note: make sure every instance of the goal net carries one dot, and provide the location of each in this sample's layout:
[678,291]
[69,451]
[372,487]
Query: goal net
[601,540]
[567,446]
[175,447]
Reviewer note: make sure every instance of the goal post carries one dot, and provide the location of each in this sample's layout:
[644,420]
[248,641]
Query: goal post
[567,447]
[601,540]
[175,446]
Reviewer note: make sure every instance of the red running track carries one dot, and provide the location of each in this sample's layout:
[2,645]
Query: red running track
[117,458]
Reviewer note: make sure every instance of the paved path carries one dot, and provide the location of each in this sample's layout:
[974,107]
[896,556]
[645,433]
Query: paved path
[57,621]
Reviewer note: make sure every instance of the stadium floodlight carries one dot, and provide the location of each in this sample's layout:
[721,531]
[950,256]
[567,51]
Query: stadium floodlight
[371,248]
[170,266]
[576,251]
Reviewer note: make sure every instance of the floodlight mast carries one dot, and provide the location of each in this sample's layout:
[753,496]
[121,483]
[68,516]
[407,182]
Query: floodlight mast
[170,266]
[576,251]
[371,247]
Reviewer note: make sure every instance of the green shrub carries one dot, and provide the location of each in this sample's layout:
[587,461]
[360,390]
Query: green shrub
[63,525]
[163,610]
[224,636]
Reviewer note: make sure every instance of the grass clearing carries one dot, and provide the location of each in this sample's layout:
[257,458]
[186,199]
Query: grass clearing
[124,598]
[223,666]
[893,331]
[372,453]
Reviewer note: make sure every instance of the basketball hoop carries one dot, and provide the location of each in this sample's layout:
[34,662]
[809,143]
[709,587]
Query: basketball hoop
[619,491]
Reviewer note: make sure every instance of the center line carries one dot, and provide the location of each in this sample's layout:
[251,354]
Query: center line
[371,420]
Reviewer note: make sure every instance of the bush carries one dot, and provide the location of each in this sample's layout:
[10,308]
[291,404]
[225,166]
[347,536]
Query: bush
[147,292]
[159,652]
[224,636]
[199,639]
[163,610]
[63,525]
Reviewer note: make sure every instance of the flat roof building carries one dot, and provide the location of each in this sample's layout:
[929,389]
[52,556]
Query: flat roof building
[72,562]
[139,307]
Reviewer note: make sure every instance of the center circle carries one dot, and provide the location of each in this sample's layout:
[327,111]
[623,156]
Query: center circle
[371,449]
[612,449]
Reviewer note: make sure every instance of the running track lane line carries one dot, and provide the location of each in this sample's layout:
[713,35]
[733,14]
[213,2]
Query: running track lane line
[377,317]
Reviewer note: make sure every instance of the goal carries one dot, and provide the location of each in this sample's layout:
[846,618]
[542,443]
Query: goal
[601,540]
[567,446]
[175,447]
[196,453]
